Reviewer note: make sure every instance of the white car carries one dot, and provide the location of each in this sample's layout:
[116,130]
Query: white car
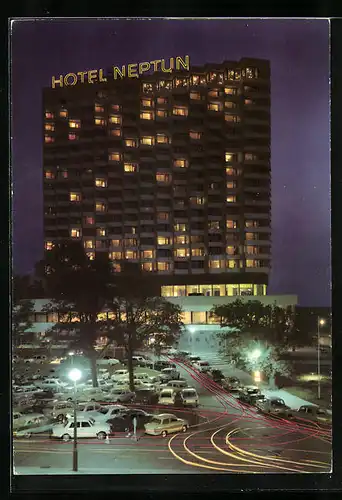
[119,374]
[167,396]
[58,409]
[51,383]
[142,376]
[120,396]
[20,419]
[107,361]
[86,409]
[202,366]
[164,424]
[33,424]
[108,412]
[189,397]
[86,428]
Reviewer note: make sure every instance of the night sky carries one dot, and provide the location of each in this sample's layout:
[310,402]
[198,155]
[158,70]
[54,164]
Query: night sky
[299,55]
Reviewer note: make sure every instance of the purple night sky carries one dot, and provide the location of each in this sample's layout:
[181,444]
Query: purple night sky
[299,55]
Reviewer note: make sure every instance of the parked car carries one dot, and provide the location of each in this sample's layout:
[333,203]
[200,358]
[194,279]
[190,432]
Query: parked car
[161,364]
[169,374]
[140,361]
[107,361]
[177,385]
[314,414]
[33,424]
[249,393]
[231,383]
[146,397]
[274,406]
[107,412]
[189,397]
[20,419]
[86,409]
[167,396]
[119,374]
[164,424]
[123,421]
[194,359]
[86,428]
[217,376]
[120,396]
[202,366]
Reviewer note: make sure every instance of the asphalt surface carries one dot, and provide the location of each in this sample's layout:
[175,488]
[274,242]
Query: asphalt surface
[224,436]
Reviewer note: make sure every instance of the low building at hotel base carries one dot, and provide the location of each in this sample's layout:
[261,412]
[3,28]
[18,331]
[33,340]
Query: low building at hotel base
[196,313]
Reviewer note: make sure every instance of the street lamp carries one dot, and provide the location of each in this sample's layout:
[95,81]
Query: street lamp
[254,355]
[320,322]
[75,374]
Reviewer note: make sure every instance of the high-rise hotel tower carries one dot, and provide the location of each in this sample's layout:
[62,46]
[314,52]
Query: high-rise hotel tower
[169,170]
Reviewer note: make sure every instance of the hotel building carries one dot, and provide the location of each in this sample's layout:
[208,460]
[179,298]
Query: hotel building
[171,171]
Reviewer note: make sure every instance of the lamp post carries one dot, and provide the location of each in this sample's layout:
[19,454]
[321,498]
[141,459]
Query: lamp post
[320,322]
[75,374]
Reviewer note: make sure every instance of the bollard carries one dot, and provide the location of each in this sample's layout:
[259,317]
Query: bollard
[107,439]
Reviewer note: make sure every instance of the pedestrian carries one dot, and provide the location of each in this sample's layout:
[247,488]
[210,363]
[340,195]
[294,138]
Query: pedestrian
[135,422]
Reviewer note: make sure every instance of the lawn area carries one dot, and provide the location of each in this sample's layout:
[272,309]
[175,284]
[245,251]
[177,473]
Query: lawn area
[310,394]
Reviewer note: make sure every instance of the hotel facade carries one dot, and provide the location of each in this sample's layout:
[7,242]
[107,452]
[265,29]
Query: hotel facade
[171,171]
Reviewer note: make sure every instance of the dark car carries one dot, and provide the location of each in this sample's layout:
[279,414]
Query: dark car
[146,397]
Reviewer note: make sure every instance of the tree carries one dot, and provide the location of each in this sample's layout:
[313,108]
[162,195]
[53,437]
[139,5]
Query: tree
[21,319]
[256,336]
[79,289]
[140,316]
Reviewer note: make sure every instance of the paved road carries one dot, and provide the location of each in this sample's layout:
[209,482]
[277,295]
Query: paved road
[224,436]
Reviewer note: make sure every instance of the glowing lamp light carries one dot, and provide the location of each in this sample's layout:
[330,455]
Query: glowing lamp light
[257,376]
[75,374]
[192,329]
[322,322]
[254,355]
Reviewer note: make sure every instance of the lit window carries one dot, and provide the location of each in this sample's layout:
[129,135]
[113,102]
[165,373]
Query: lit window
[197,200]
[114,157]
[116,267]
[75,123]
[91,255]
[215,264]
[250,236]
[231,185]
[231,224]
[232,264]
[49,174]
[231,199]
[180,227]
[249,249]
[213,93]
[100,121]
[64,174]
[89,220]
[163,266]
[232,118]
[116,243]
[89,244]
[198,252]
[147,254]
[182,240]
[75,233]
[252,263]
[48,245]
[115,255]
[181,252]
[116,132]
[115,107]
[147,140]
[146,115]
[162,139]
[251,223]
[99,108]
[101,183]
[230,250]
[251,73]
[147,87]
[214,224]
[181,163]
[130,167]
[101,231]
[229,157]
[49,126]
[131,254]
[230,90]
[147,103]
[49,115]
[162,240]
[164,84]
[180,111]
[194,135]
[131,242]
[161,100]
[230,171]
[115,119]
[131,143]
[248,102]
[100,206]
[250,157]
[162,113]
[195,95]
[147,266]
[49,139]
[229,104]
[163,215]
[163,177]
[63,113]
[75,196]
[214,106]
[73,137]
